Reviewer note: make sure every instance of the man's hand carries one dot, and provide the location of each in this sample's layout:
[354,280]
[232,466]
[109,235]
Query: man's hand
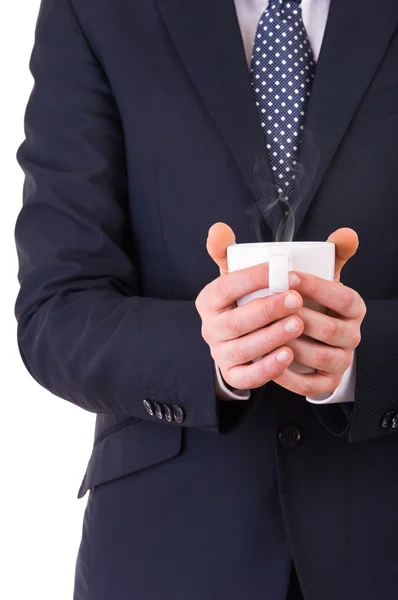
[238,335]
[330,340]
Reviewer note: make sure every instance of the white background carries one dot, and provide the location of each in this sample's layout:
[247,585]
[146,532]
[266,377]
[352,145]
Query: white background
[45,442]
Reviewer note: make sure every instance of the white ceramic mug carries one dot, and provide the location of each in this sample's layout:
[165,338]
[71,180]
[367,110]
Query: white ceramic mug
[317,258]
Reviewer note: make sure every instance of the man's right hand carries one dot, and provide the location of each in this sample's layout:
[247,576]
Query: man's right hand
[261,328]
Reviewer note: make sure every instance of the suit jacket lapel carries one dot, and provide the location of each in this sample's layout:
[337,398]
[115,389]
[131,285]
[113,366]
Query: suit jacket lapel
[207,37]
[355,40]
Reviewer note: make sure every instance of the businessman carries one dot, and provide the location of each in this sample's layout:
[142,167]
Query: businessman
[212,476]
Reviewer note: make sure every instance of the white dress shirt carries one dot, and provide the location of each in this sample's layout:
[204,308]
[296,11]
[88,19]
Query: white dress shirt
[315,13]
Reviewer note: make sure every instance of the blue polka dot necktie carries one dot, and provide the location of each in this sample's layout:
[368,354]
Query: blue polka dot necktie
[282,71]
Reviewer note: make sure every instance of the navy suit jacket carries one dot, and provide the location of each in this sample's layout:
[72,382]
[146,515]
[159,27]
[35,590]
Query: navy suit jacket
[141,132]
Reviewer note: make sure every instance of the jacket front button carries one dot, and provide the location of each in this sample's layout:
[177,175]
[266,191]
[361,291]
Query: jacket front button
[289,436]
[148,407]
[387,420]
[178,414]
[158,410]
[168,413]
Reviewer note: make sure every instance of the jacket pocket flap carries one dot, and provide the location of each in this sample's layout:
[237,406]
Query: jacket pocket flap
[137,446]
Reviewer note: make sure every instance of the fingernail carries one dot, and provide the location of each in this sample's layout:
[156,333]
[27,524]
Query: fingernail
[291,301]
[283,356]
[294,279]
[291,326]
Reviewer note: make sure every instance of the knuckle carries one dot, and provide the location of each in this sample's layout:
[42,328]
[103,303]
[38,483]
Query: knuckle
[347,298]
[327,385]
[217,327]
[306,389]
[229,378]
[347,362]
[333,383]
[243,380]
[215,354]
[208,297]
[247,382]
[255,279]
[225,288]
[330,331]
[356,338]
[274,338]
[362,309]
[268,371]
[343,360]
[314,286]
[234,324]
[235,353]
[258,347]
[199,302]
[205,331]
[323,359]
[253,378]
[267,311]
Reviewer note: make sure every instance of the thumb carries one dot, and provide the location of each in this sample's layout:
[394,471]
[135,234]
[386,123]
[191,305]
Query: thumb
[346,242]
[220,236]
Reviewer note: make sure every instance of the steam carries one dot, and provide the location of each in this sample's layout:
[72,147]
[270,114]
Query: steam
[260,210]
[286,227]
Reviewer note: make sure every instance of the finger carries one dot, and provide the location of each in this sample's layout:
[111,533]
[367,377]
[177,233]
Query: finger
[311,385]
[258,343]
[220,236]
[255,375]
[257,313]
[341,299]
[320,357]
[346,242]
[330,330]
[224,291]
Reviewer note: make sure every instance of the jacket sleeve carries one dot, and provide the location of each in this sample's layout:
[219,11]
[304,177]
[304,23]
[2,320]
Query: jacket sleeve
[85,332]
[375,410]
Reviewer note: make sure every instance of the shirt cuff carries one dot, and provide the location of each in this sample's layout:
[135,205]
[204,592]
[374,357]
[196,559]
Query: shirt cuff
[344,393]
[224,391]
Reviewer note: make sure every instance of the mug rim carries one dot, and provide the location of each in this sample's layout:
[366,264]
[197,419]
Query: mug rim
[280,244]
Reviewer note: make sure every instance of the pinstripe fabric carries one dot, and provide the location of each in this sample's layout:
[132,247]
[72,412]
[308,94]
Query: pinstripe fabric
[141,132]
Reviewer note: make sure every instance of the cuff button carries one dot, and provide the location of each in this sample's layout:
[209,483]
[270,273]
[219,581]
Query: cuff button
[148,407]
[168,413]
[158,410]
[178,414]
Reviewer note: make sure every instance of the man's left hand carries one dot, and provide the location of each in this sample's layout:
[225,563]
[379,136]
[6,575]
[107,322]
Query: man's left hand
[329,340]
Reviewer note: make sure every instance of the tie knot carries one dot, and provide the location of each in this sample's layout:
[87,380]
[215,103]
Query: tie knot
[283,6]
